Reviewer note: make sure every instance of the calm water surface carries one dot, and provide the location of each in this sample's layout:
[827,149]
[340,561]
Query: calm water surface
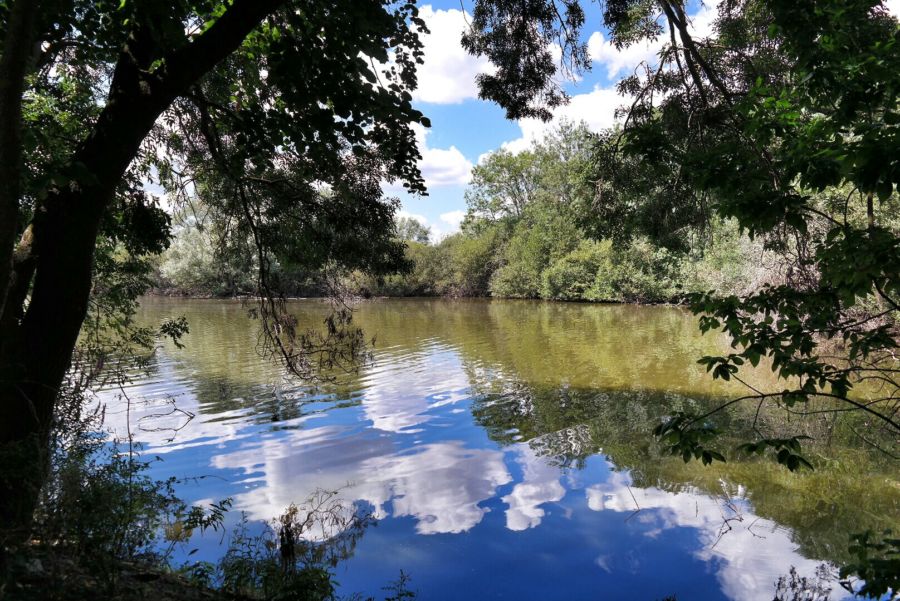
[504,447]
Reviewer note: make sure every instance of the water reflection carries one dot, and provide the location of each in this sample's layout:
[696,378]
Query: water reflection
[440,485]
[515,436]
[539,484]
[749,552]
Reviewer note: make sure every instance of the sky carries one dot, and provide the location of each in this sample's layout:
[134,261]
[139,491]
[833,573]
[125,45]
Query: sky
[464,128]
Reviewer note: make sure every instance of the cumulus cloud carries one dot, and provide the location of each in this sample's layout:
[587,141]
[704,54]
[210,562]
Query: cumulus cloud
[442,166]
[420,218]
[453,219]
[439,166]
[448,75]
[596,108]
[445,167]
[401,401]
[621,61]
[540,484]
[440,485]
[748,558]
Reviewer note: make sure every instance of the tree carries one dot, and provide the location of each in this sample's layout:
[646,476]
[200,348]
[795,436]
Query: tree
[284,113]
[786,120]
[412,230]
[554,171]
[502,185]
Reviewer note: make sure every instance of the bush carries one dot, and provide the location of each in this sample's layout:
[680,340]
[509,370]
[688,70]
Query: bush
[193,265]
[640,272]
[472,262]
[731,263]
[574,276]
[542,237]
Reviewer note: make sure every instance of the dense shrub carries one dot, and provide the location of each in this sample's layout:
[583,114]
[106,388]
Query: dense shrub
[730,263]
[575,275]
[641,272]
[543,236]
[472,261]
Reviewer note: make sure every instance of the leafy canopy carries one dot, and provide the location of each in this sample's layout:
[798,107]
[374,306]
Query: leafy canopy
[784,119]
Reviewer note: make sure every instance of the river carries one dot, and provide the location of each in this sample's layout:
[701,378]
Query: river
[504,448]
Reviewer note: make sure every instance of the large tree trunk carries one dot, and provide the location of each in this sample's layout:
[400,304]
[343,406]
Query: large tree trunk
[13,67]
[36,349]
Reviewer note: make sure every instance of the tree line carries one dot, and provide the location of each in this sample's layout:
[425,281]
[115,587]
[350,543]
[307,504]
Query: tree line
[528,233]
[782,126]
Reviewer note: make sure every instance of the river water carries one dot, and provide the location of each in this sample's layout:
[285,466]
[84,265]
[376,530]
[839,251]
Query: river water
[504,448]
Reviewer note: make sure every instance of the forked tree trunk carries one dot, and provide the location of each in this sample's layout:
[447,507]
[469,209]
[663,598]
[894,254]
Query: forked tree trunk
[35,355]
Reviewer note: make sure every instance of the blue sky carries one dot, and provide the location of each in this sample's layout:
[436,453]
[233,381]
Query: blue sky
[465,128]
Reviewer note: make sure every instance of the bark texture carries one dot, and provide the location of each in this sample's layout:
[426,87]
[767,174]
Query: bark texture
[13,68]
[37,338]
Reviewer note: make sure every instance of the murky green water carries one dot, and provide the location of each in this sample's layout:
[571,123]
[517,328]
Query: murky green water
[505,448]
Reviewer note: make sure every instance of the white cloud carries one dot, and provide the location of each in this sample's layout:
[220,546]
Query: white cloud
[441,166]
[596,108]
[453,219]
[622,61]
[440,485]
[748,557]
[444,167]
[539,485]
[448,75]
[401,403]
[702,21]
[420,218]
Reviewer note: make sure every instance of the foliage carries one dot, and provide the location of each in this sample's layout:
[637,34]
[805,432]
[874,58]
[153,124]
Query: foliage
[876,563]
[783,120]
[645,273]
[262,111]
[523,82]
[293,556]
[412,230]
[472,261]
[523,237]
[540,238]
[794,587]
[581,274]
[502,185]
[192,264]
[101,511]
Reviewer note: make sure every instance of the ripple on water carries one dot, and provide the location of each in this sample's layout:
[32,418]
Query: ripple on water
[506,442]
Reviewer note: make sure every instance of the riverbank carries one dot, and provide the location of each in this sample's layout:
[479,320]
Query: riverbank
[39,577]
[323,296]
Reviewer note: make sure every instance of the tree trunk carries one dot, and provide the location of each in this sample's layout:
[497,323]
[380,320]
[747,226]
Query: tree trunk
[13,67]
[36,350]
